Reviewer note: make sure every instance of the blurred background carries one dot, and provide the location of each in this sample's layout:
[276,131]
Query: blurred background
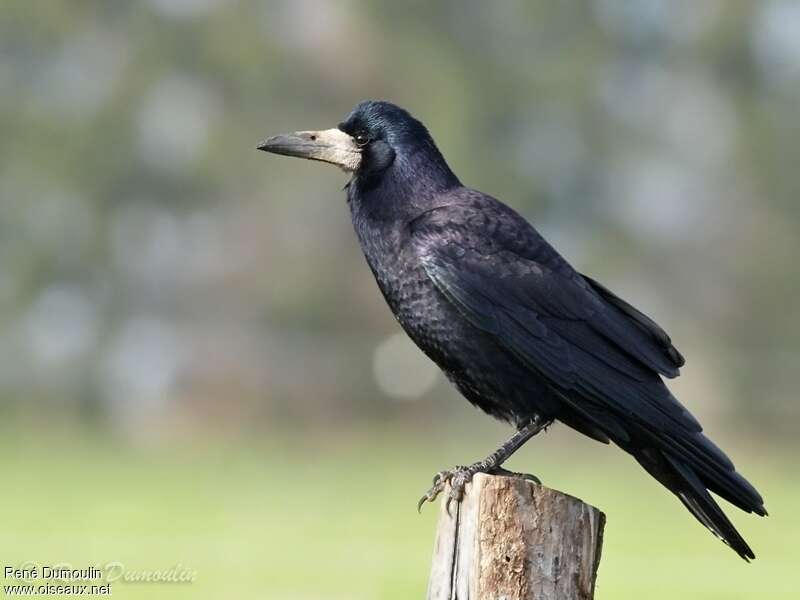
[196,367]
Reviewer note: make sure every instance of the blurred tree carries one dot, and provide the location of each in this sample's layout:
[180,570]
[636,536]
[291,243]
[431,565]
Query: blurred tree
[152,263]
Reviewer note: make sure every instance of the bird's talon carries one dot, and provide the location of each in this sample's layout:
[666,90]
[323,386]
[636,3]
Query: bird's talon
[457,477]
[421,502]
[440,480]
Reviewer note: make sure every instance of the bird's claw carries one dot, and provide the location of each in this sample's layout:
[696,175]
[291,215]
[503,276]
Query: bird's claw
[457,478]
[439,482]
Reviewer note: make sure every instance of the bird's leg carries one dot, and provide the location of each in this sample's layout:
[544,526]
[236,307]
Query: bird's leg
[458,477]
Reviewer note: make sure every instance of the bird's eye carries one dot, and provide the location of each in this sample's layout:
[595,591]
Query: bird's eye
[362,139]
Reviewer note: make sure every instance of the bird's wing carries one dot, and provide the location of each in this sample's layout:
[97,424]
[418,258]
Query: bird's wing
[556,323]
[489,241]
[650,327]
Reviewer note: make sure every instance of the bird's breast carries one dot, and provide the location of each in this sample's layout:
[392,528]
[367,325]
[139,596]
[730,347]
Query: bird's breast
[470,358]
[412,297]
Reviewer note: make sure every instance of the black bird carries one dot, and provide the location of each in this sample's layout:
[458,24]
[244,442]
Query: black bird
[512,324]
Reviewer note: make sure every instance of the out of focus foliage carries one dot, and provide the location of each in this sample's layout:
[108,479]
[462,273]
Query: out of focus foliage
[155,268]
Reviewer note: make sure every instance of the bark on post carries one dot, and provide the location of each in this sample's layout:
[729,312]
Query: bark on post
[510,539]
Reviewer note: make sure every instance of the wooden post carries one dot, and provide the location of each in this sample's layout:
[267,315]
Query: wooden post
[510,539]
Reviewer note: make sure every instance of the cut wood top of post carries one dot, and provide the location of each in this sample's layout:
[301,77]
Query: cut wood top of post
[511,539]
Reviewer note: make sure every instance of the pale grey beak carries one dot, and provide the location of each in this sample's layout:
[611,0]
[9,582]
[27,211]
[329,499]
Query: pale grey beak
[331,145]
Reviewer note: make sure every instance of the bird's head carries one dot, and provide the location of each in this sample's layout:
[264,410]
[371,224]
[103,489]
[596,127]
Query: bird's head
[368,142]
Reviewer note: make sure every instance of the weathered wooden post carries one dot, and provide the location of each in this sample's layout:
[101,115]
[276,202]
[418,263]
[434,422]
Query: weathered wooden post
[511,539]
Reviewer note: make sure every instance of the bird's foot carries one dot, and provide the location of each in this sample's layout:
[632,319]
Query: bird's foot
[458,477]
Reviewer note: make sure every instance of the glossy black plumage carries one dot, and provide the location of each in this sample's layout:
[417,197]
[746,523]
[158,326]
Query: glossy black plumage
[515,328]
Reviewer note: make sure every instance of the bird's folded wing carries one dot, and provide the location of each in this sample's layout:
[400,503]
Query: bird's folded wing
[559,327]
[650,327]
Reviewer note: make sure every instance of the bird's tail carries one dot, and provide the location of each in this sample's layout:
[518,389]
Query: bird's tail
[690,472]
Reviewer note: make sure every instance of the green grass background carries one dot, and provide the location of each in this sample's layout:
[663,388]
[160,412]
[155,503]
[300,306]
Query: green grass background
[311,514]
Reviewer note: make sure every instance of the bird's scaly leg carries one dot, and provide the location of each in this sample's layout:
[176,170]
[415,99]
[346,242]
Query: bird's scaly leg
[458,477]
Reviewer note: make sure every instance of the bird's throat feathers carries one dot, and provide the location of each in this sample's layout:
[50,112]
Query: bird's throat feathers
[409,185]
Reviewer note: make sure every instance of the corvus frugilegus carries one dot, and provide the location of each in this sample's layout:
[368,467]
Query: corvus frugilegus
[520,333]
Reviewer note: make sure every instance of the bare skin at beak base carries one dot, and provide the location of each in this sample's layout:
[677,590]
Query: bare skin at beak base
[330,145]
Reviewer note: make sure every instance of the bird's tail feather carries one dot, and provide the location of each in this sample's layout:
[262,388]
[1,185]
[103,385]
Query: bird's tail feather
[681,479]
[716,473]
[683,460]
